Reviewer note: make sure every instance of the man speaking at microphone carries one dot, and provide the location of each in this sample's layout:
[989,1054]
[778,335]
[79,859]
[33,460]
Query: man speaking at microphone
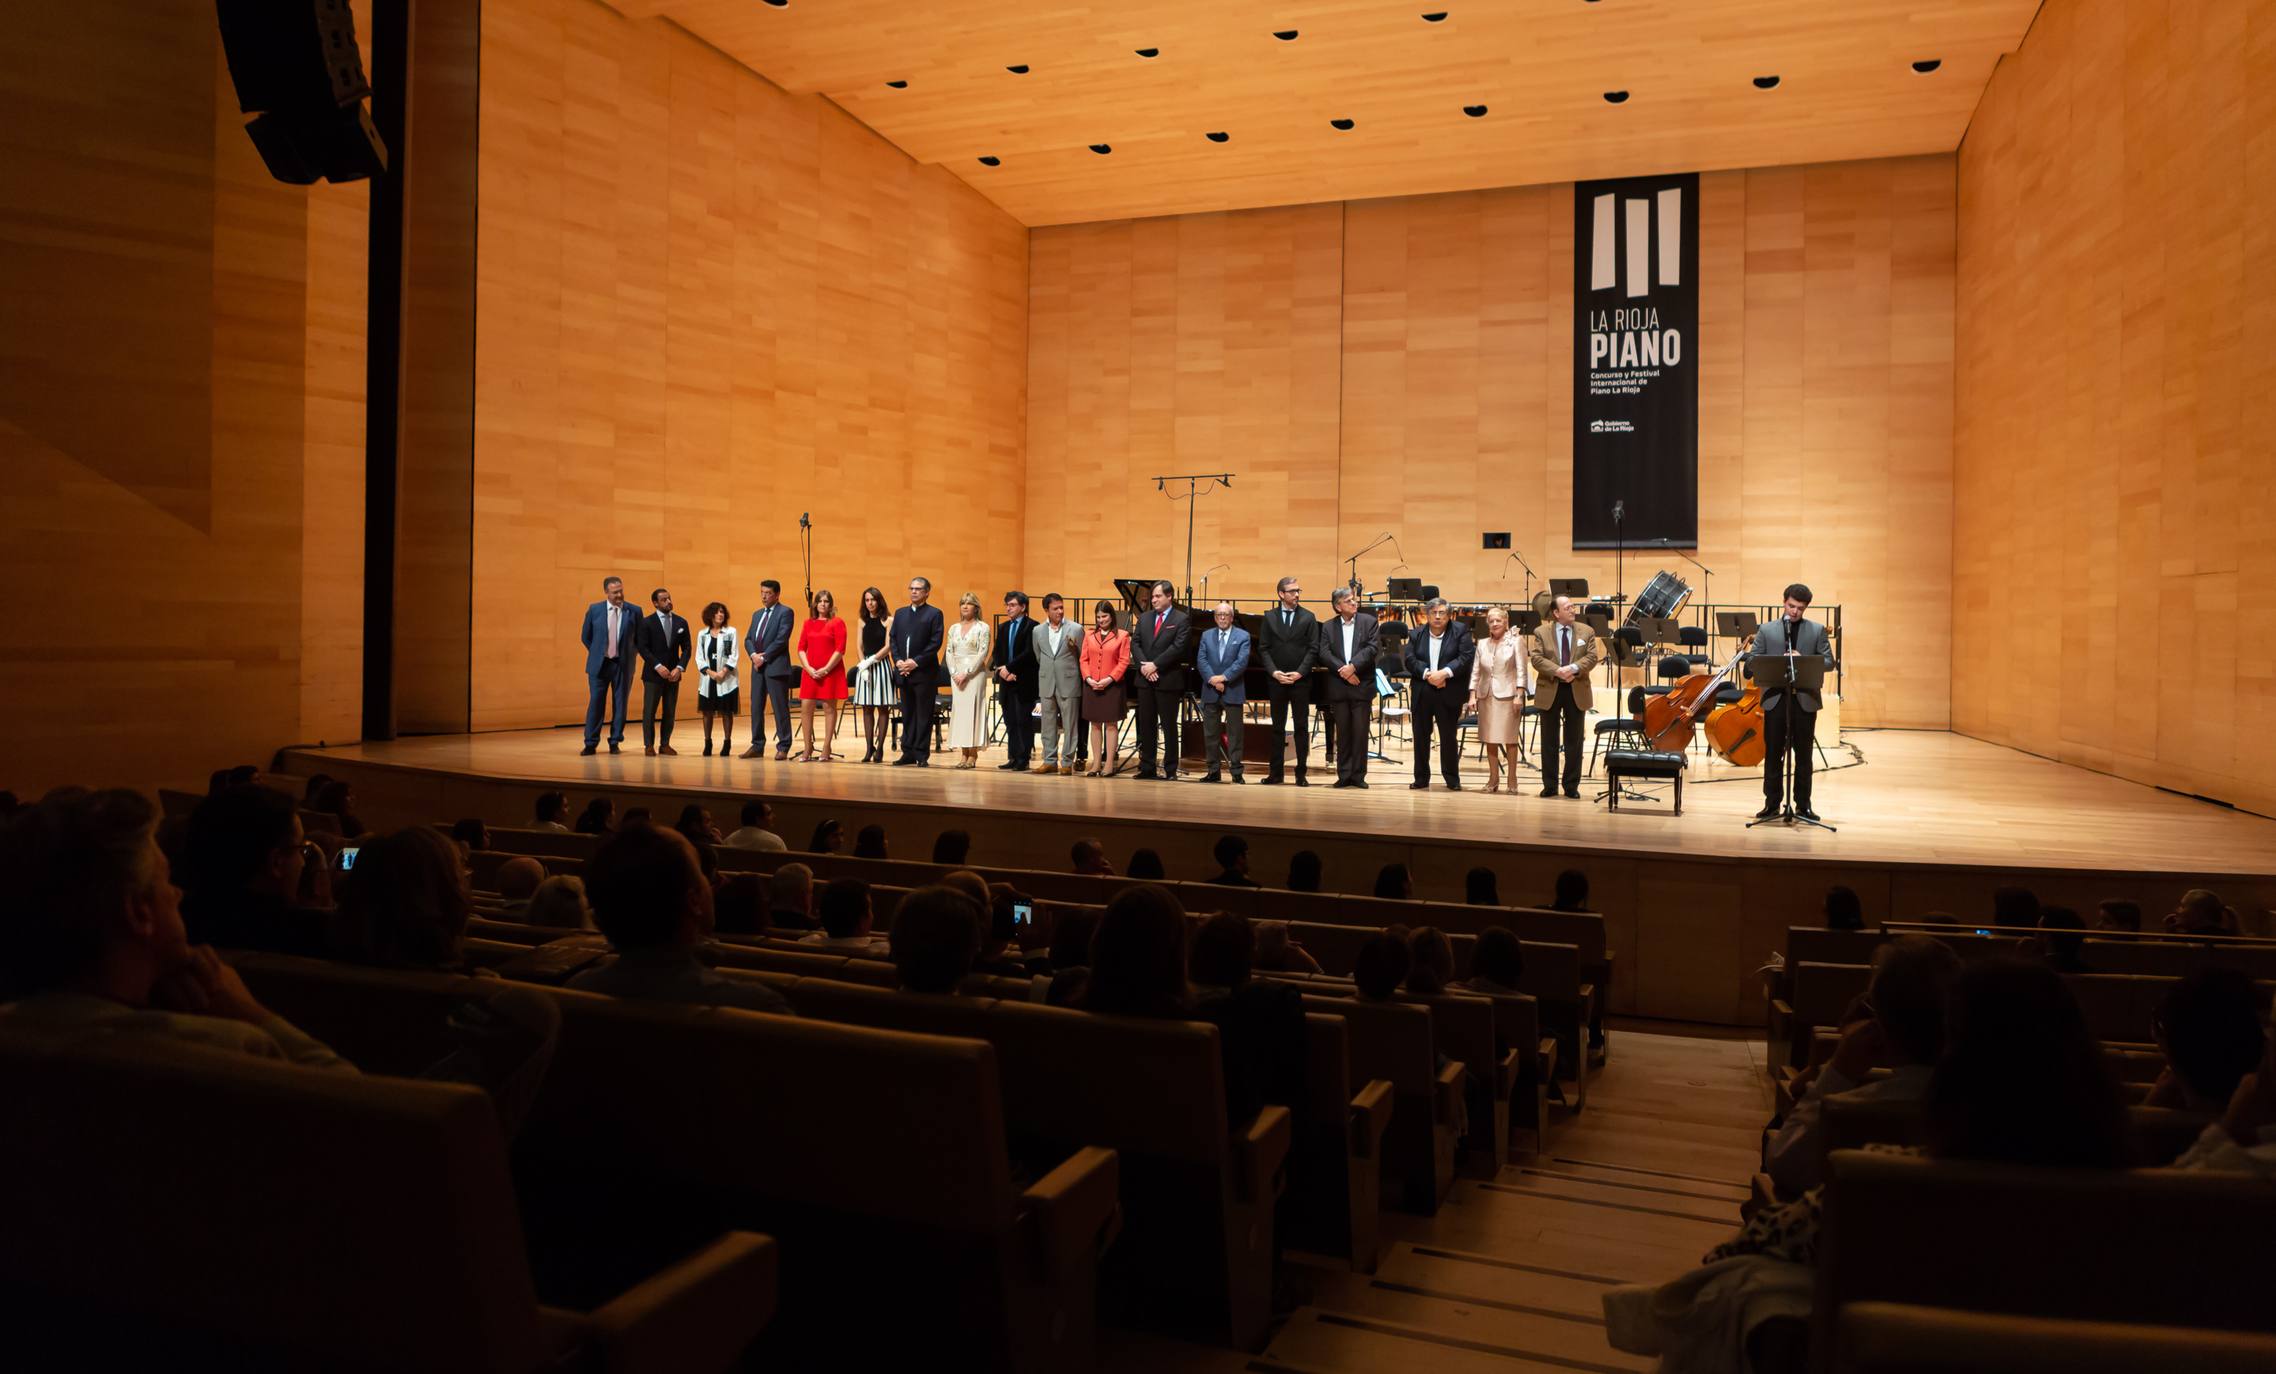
[1795,729]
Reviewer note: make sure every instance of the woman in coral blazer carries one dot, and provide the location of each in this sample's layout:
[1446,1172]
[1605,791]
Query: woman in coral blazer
[1106,660]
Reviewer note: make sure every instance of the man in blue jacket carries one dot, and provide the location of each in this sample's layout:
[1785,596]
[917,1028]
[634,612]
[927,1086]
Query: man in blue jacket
[772,670]
[1221,659]
[608,633]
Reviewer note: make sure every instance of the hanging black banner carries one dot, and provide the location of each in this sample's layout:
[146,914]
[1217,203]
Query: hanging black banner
[1636,362]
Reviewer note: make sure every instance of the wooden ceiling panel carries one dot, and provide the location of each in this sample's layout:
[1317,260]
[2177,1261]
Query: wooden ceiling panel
[1846,89]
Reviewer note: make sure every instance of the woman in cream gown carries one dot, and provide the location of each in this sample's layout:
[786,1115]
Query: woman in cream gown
[965,650]
[1497,695]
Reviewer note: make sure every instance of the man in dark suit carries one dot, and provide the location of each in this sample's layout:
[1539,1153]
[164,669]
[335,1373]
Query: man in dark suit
[772,670]
[1347,648]
[1013,660]
[665,648]
[1288,644]
[608,633]
[1438,666]
[915,646]
[1790,720]
[1158,643]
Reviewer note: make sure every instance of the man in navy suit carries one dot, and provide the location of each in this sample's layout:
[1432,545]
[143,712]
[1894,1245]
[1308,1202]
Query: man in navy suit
[665,648]
[1014,662]
[608,632]
[1221,660]
[1438,665]
[772,670]
[1159,641]
[915,646]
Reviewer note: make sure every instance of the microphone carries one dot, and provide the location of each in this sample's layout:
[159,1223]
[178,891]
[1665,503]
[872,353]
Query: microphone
[1619,511]
[803,522]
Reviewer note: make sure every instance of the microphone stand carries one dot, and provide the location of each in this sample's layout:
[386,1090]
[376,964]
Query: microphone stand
[1513,553]
[806,554]
[1193,490]
[1379,541]
[1707,583]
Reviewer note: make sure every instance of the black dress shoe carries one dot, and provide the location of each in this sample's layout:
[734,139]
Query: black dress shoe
[1360,785]
[1213,776]
[903,763]
[1239,779]
[588,750]
[1806,813]
[1270,780]
[613,746]
[1548,791]
[1008,765]
[1454,787]
[1767,813]
[1418,787]
[1147,775]
[1169,775]
[1302,781]
[1573,793]
[1339,784]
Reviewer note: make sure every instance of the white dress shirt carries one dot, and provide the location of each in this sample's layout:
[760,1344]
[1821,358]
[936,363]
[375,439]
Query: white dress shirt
[616,617]
[1350,628]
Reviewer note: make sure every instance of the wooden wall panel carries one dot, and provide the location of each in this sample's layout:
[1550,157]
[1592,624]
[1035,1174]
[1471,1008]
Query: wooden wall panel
[180,388]
[705,307]
[2114,410]
[1825,444]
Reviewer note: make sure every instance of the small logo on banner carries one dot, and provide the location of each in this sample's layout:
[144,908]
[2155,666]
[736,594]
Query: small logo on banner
[1611,427]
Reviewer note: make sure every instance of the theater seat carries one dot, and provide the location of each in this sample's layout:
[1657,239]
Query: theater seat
[1900,1338]
[1393,1041]
[171,1207]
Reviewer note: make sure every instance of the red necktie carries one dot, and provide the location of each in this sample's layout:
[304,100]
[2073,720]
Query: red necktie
[1159,617]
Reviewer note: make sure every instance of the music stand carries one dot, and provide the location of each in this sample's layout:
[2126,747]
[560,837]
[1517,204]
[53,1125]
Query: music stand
[1404,589]
[1574,588]
[1525,622]
[1789,675]
[1659,630]
[1736,624]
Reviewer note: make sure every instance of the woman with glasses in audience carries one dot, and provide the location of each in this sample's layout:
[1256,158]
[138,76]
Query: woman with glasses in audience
[716,690]
[822,675]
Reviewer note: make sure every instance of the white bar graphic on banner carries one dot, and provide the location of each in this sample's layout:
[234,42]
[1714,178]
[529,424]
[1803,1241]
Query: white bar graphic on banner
[1671,237]
[1639,247]
[1602,267]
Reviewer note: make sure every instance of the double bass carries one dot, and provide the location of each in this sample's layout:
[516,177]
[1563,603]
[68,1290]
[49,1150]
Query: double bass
[1671,718]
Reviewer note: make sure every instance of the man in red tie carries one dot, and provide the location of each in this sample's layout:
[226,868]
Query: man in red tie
[1158,646]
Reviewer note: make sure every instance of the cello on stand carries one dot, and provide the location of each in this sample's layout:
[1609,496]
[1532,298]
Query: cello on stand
[1734,729]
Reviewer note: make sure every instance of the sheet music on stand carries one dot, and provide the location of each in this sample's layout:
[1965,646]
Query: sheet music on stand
[1736,624]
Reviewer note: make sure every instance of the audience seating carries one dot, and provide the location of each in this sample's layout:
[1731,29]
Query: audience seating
[1198,1191]
[878,1159]
[1850,1123]
[1335,1174]
[1901,1338]
[1462,1027]
[170,1206]
[2150,1246]
[1393,1041]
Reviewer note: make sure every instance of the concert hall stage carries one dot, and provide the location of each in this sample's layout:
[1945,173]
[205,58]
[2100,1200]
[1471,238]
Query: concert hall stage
[1929,821]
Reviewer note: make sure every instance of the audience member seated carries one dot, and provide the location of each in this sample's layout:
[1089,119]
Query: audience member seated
[935,934]
[405,903]
[829,838]
[2062,937]
[2015,908]
[517,880]
[1571,892]
[1380,967]
[2201,913]
[869,842]
[245,775]
[1138,956]
[951,847]
[1303,871]
[1003,943]
[1481,887]
[972,885]
[2118,915]
[1432,962]
[559,904]
[1278,952]
[598,817]
[316,783]
[338,800]
[790,898]
[470,833]
[1146,864]
[94,944]
[2243,1141]
[695,822]
[1843,911]
[1898,1025]
[1068,963]
[1232,855]
[2208,1027]
[1260,1026]
[847,918]
[740,906]
[757,830]
[552,812]
[650,900]
[1497,962]
[1089,857]
[1393,883]
[253,880]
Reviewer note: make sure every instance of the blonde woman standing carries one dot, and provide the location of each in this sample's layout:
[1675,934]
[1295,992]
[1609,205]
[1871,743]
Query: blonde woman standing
[1497,696]
[965,651]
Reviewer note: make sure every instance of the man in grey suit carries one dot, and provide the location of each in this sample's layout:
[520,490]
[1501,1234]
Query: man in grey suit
[1058,647]
[772,670]
[1221,660]
[1792,730]
[1347,650]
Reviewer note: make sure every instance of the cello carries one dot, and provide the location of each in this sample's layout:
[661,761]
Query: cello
[1734,730]
[1671,718]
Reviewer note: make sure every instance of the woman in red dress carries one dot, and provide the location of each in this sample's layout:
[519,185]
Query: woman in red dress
[822,674]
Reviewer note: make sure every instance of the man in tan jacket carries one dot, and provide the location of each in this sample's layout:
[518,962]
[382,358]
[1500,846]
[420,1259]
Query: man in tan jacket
[1564,652]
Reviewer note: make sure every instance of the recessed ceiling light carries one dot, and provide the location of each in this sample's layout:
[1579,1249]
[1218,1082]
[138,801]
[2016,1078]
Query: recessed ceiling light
[1218,136]
[1434,16]
[1474,111]
[1020,70]
[991,160]
[1614,97]
[779,4]
[1102,149]
[898,85]
[1342,123]
[1927,65]
[1766,83]
[1285,35]
[1149,52]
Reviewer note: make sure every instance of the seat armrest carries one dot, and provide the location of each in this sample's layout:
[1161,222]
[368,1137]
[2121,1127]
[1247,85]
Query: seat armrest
[1449,1092]
[698,1314]
[1545,1059]
[1587,997]
[1370,1117]
[1505,1074]
[1075,1210]
[1259,1151]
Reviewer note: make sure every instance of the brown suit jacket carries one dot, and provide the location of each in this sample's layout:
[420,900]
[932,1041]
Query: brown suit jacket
[1587,653]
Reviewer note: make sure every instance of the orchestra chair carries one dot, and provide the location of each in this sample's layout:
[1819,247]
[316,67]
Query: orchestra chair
[1905,1338]
[176,1207]
[1693,639]
[1618,732]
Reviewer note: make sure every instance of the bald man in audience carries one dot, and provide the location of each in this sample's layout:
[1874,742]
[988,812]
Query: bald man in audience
[650,899]
[1089,856]
[790,898]
[517,880]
